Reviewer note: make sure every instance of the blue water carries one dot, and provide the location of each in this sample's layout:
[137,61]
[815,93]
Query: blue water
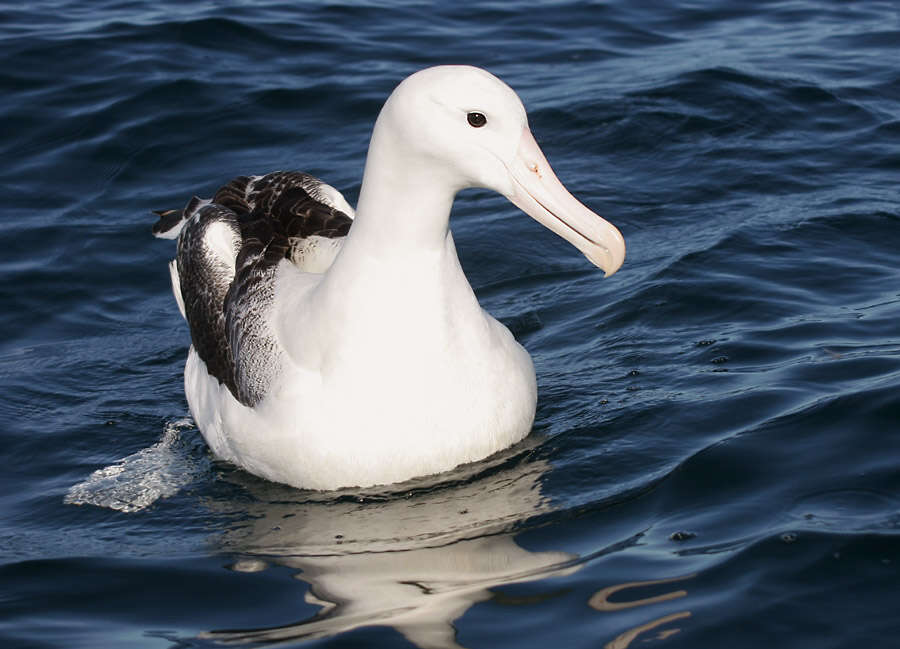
[723,414]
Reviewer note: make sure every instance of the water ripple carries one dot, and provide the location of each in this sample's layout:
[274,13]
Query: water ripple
[720,412]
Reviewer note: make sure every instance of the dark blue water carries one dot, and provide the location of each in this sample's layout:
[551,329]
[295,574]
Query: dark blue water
[715,456]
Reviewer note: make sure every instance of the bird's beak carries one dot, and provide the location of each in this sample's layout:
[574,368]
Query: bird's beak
[540,194]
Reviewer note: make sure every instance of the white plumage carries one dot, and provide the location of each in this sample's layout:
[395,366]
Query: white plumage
[366,359]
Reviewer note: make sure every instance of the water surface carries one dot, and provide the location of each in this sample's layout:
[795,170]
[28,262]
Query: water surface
[714,461]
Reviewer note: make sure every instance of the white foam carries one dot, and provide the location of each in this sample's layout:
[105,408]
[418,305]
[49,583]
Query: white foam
[137,481]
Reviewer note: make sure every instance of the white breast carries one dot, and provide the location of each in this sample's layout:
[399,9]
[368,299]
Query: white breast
[389,389]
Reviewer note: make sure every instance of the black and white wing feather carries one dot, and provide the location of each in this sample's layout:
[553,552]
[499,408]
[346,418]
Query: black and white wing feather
[223,275]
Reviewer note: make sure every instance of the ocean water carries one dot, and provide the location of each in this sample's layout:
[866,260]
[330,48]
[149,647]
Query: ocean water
[715,456]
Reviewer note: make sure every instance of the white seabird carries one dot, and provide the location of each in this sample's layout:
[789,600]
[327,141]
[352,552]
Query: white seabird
[327,356]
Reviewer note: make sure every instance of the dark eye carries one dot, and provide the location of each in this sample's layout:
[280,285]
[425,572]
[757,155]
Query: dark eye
[476,119]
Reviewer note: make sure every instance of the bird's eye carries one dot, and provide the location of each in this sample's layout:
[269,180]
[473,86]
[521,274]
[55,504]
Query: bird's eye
[476,119]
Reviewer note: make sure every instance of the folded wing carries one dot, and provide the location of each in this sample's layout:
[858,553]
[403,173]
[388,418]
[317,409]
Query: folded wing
[228,250]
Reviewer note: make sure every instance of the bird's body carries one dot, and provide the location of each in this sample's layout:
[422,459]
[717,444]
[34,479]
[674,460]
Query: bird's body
[327,354]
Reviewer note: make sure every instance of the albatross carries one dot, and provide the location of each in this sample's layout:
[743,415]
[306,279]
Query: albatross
[334,347]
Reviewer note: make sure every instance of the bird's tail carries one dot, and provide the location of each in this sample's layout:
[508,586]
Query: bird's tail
[171,221]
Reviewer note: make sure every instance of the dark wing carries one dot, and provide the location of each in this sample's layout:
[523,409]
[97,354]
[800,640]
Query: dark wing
[207,247]
[302,204]
[228,251]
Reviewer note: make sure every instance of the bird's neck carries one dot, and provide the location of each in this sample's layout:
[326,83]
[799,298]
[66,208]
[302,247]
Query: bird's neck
[399,246]
[405,199]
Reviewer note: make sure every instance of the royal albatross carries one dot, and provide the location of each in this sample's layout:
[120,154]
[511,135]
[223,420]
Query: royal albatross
[328,356]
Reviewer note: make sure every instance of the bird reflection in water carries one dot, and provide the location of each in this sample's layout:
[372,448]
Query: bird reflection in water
[601,601]
[414,561]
